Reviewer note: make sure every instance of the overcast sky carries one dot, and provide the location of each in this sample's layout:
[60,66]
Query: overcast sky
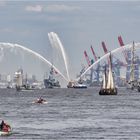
[78,24]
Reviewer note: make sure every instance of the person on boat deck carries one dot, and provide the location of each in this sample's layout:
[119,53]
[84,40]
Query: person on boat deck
[4,127]
[40,100]
[1,125]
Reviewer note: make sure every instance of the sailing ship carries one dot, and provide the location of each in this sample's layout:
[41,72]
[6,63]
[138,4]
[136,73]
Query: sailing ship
[133,82]
[108,86]
[21,83]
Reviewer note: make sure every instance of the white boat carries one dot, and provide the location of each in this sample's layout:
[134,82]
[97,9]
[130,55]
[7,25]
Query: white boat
[2,133]
[74,84]
[79,86]
[6,132]
[108,86]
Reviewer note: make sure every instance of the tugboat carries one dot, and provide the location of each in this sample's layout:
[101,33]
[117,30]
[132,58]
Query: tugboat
[50,82]
[76,84]
[108,87]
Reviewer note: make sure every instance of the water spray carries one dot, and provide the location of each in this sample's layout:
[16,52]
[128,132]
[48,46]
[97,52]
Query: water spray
[13,47]
[55,42]
[106,55]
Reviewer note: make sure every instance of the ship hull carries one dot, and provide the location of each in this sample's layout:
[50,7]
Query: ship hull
[138,88]
[108,92]
[51,84]
[84,86]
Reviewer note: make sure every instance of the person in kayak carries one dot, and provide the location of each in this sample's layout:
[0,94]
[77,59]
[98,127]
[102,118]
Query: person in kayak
[4,127]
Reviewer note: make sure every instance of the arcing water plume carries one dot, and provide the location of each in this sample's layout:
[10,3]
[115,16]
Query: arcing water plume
[51,40]
[106,55]
[15,47]
[1,54]
[55,42]
[63,54]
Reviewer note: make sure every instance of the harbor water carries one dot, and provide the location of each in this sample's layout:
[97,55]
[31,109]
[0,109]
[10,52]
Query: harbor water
[71,114]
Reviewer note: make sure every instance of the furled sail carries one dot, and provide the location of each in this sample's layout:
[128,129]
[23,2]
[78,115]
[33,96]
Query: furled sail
[110,83]
[104,82]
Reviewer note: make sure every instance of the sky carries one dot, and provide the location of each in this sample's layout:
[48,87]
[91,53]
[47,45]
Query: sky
[79,24]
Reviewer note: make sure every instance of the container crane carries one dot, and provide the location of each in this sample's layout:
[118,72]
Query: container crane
[97,76]
[87,58]
[93,52]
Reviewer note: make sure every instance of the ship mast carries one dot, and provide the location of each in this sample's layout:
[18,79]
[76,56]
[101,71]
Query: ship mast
[132,78]
[110,83]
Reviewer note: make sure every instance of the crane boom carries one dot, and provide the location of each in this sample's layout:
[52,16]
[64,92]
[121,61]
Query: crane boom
[87,58]
[93,52]
[105,50]
[104,47]
[122,44]
[120,41]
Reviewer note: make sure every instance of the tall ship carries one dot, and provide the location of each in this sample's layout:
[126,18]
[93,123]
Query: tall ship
[51,82]
[108,85]
[21,83]
[133,70]
[19,79]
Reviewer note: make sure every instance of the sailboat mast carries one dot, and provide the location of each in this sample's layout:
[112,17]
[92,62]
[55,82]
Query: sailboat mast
[110,60]
[132,63]
[104,79]
[110,83]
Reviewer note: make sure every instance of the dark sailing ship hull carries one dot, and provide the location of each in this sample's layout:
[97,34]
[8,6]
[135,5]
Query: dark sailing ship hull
[138,88]
[108,91]
[134,85]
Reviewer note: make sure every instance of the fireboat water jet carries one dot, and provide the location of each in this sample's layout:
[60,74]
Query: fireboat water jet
[55,42]
[15,46]
[128,46]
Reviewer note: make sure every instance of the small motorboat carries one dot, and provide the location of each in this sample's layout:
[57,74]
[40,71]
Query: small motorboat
[73,84]
[3,133]
[6,131]
[40,101]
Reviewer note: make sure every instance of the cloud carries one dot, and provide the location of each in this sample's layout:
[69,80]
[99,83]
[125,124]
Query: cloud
[7,30]
[35,8]
[2,3]
[23,32]
[60,8]
[51,8]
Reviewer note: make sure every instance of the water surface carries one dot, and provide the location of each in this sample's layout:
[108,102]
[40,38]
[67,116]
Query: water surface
[71,114]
